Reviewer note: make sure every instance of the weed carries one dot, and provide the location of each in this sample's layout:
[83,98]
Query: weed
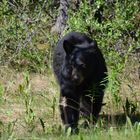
[25,92]
[1,93]
[25,42]
[130,107]
[7,130]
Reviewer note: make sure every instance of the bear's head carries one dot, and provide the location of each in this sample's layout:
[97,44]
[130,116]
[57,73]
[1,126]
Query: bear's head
[77,60]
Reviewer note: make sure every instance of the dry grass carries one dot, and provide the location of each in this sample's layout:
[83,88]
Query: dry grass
[44,90]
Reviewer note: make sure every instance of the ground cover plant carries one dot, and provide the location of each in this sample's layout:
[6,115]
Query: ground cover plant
[29,94]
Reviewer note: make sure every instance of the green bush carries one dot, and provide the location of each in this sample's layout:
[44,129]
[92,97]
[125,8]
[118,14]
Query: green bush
[113,34]
[24,29]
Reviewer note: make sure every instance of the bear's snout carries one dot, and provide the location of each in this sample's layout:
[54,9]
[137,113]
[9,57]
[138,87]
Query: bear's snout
[77,77]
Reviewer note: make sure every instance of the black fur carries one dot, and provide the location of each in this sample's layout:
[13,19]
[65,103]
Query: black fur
[81,72]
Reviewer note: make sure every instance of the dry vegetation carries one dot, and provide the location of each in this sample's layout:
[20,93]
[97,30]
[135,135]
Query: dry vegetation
[28,90]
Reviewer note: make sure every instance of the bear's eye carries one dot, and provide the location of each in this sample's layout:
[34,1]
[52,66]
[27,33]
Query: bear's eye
[69,70]
[82,65]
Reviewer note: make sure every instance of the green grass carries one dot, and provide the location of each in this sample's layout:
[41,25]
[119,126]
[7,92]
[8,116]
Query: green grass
[29,112]
[29,94]
[98,133]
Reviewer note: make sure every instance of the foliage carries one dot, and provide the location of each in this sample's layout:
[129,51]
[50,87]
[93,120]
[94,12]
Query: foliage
[27,97]
[23,32]
[112,34]
[25,45]
[1,93]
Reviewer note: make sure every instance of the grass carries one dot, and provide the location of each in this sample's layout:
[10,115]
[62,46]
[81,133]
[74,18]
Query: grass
[29,109]
[29,93]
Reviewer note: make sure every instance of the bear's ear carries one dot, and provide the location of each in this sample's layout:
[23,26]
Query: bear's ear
[68,47]
[92,47]
[93,44]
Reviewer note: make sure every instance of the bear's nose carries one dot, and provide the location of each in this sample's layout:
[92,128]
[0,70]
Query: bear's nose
[75,78]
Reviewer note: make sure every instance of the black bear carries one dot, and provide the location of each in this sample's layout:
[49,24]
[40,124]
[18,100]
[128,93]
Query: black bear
[82,75]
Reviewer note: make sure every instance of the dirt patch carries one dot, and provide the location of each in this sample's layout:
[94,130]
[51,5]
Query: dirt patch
[11,80]
[12,106]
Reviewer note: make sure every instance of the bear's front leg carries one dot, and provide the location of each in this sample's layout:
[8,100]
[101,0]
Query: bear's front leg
[69,109]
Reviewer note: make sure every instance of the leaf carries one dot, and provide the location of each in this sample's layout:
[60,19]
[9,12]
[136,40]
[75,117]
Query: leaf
[42,124]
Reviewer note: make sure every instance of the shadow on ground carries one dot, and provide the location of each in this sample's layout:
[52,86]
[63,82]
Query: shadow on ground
[119,119]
